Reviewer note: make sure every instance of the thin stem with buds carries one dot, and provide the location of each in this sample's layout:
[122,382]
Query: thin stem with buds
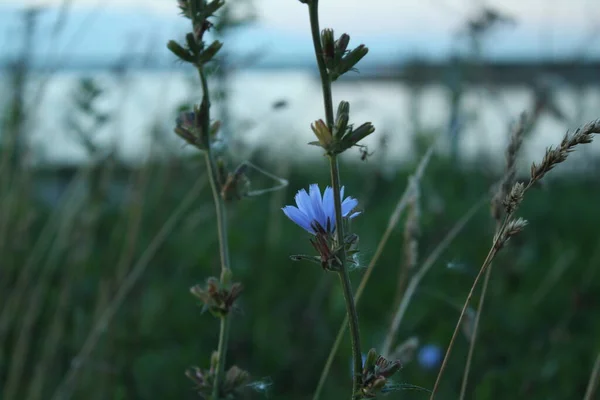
[221,212]
[335,183]
[393,221]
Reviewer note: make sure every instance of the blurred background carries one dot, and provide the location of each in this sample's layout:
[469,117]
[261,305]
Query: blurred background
[106,218]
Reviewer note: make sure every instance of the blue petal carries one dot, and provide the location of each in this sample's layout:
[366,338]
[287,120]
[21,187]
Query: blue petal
[304,204]
[317,204]
[348,205]
[329,207]
[354,215]
[298,217]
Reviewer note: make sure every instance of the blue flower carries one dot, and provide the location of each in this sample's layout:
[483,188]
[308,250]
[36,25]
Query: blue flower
[430,356]
[313,210]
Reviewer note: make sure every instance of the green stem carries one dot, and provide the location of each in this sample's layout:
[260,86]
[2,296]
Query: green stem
[221,212]
[486,280]
[222,351]
[313,9]
[345,280]
[465,381]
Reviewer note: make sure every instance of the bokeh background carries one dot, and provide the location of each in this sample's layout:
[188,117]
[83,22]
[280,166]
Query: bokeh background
[106,218]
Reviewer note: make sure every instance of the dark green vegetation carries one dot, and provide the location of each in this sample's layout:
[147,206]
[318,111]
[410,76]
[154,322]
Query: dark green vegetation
[539,332]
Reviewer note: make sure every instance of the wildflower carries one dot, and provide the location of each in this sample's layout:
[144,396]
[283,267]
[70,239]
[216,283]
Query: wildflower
[316,213]
[430,356]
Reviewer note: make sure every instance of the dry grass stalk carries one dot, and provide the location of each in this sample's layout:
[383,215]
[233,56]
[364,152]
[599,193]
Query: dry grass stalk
[47,359]
[510,171]
[510,226]
[70,204]
[505,201]
[67,385]
[594,381]
[564,261]
[410,243]
[420,274]
[405,351]
[412,230]
[35,296]
[554,156]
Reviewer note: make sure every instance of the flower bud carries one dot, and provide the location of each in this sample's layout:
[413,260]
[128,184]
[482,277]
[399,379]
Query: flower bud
[370,360]
[192,44]
[349,61]
[236,378]
[189,126]
[214,128]
[378,384]
[210,52]
[360,133]
[217,297]
[387,368]
[212,8]
[197,376]
[328,47]
[179,51]
[341,119]
[341,45]
[322,133]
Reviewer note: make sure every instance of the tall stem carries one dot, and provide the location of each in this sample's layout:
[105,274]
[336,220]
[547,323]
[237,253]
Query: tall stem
[345,279]
[394,218]
[465,381]
[486,264]
[313,9]
[221,212]
[486,280]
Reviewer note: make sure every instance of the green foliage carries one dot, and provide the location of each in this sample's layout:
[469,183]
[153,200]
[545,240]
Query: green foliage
[537,339]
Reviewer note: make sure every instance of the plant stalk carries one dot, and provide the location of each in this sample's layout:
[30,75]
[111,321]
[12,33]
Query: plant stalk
[345,280]
[393,221]
[486,280]
[313,9]
[486,264]
[221,212]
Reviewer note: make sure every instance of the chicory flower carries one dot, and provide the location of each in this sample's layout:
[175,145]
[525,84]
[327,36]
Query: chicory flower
[314,212]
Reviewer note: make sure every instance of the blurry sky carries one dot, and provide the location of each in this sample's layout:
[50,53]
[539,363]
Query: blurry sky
[391,28]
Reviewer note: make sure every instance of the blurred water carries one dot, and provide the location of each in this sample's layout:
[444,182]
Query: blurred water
[139,100]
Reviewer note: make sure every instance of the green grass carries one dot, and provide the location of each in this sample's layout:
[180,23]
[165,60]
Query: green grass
[291,311]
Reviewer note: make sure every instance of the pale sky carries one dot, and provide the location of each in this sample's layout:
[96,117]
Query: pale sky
[545,26]
[376,16]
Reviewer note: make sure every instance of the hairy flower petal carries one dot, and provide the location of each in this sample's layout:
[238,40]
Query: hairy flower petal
[313,209]
[348,205]
[354,215]
[328,206]
[299,217]
[317,205]
[304,204]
